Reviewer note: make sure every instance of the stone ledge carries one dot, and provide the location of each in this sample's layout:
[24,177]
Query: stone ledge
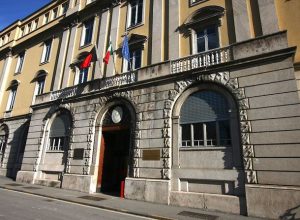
[223,203]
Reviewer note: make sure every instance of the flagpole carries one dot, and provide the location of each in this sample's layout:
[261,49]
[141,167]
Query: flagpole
[114,63]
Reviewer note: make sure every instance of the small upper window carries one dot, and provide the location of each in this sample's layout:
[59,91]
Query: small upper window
[64,8]
[29,27]
[87,32]
[135,13]
[46,18]
[20,62]
[46,51]
[54,13]
[22,32]
[35,24]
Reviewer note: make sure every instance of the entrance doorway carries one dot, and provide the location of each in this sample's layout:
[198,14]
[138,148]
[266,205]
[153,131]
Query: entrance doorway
[114,159]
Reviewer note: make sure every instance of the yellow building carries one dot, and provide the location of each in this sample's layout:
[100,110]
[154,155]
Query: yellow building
[201,109]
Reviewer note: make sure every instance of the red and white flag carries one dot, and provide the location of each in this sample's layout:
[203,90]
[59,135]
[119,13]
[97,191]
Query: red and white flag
[109,53]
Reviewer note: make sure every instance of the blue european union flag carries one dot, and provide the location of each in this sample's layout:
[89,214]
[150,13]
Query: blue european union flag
[125,49]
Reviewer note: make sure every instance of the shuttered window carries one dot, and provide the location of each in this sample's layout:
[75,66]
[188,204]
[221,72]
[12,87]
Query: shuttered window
[205,120]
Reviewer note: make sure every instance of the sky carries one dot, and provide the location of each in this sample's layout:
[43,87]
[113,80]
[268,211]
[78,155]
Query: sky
[12,10]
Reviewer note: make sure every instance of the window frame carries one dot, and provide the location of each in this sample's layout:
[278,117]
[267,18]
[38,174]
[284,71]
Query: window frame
[47,18]
[11,99]
[84,41]
[204,29]
[64,8]
[20,62]
[234,128]
[78,75]
[46,54]
[132,61]
[130,24]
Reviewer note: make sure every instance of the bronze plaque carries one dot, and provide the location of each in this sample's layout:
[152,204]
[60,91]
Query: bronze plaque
[151,154]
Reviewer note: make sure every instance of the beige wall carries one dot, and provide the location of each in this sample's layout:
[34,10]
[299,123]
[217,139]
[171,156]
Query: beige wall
[289,19]
[32,64]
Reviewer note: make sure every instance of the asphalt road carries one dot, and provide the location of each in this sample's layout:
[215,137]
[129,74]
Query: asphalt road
[21,206]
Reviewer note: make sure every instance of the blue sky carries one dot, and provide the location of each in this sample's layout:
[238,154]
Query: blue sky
[12,10]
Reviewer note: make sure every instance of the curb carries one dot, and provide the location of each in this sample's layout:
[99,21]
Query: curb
[91,205]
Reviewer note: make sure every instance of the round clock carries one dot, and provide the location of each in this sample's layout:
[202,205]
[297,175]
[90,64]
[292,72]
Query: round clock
[117,114]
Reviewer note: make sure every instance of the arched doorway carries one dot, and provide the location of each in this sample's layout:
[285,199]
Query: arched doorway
[114,159]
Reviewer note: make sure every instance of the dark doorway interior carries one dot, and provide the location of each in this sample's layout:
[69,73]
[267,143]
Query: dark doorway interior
[115,161]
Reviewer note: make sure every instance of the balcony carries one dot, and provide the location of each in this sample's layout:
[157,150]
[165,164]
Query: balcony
[88,87]
[201,60]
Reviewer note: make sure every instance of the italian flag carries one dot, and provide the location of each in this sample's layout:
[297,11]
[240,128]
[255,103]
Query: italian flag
[109,53]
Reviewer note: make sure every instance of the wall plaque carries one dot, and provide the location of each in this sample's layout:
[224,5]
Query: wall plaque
[151,155]
[78,154]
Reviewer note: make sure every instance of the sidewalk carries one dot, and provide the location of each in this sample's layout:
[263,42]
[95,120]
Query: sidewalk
[151,210]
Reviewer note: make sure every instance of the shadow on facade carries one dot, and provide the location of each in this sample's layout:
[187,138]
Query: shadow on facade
[291,214]
[17,148]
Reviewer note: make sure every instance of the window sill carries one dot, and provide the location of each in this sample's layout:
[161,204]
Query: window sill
[43,63]
[196,3]
[17,73]
[204,148]
[134,26]
[85,46]
[55,151]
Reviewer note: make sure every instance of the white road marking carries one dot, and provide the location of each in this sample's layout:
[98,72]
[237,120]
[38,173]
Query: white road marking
[74,203]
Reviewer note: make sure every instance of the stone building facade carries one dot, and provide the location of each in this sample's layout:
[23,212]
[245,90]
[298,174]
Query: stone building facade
[207,117]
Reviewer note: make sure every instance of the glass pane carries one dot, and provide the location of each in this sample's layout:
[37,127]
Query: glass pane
[133,15]
[198,134]
[211,133]
[186,135]
[140,12]
[62,143]
[224,131]
[137,59]
[200,44]
[213,39]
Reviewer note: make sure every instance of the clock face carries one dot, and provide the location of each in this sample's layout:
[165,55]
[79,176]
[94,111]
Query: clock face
[117,114]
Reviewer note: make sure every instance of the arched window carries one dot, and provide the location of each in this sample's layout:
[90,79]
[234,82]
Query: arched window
[59,133]
[205,120]
[12,95]
[204,26]
[3,141]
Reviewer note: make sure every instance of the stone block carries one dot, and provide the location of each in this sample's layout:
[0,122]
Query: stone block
[260,46]
[83,183]
[206,158]
[280,137]
[276,124]
[271,88]
[279,178]
[266,77]
[273,202]
[274,112]
[147,190]
[150,173]
[223,203]
[152,124]
[279,164]
[152,133]
[274,100]
[25,176]
[280,150]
